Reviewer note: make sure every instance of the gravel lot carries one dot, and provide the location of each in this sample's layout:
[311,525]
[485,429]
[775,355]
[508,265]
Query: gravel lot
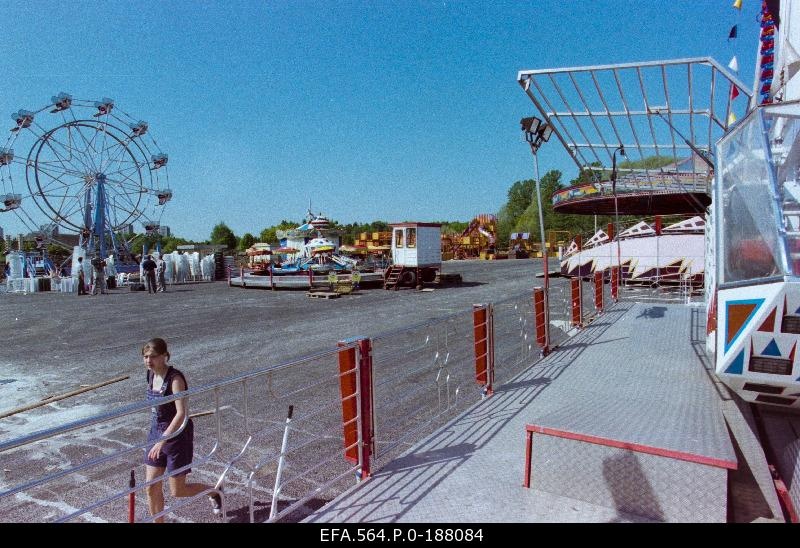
[54,343]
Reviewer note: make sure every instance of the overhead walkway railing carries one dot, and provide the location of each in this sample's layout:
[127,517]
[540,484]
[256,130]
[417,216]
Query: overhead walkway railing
[664,181]
[353,409]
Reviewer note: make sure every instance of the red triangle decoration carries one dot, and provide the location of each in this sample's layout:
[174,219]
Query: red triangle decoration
[769,323]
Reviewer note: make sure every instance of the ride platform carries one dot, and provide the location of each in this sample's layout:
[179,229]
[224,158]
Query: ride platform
[637,202]
[300,281]
[626,422]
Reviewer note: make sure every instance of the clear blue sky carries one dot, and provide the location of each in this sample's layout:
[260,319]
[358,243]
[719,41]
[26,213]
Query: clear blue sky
[397,110]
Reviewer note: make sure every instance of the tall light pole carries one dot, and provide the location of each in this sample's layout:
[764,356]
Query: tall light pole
[621,150]
[538,132]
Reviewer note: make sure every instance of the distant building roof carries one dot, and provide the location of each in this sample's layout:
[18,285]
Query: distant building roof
[414,223]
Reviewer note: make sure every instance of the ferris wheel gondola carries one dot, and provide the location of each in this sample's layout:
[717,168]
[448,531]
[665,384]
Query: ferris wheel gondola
[90,170]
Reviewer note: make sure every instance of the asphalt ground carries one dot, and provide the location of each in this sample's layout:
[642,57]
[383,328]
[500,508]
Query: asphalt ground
[54,343]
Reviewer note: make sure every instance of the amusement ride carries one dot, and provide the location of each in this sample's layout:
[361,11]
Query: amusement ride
[80,173]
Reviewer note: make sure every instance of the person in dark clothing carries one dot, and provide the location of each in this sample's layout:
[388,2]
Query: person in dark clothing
[81,278]
[172,447]
[149,266]
[98,275]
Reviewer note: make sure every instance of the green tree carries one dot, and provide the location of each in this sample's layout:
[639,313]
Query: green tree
[520,196]
[528,220]
[456,227]
[171,243]
[222,235]
[246,241]
[268,235]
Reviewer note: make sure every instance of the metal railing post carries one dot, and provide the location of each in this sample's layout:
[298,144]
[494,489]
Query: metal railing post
[366,386]
[132,499]
[482,336]
[540,319]
[598,290]
[577,317]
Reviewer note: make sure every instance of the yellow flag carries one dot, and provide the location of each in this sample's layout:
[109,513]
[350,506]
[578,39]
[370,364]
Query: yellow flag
[731,118]
[737,4]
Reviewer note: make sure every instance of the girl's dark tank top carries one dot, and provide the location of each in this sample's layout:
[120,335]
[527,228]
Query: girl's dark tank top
[164,413]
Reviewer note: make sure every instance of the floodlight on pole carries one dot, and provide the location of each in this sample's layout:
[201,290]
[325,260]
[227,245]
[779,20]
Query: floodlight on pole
[537,132]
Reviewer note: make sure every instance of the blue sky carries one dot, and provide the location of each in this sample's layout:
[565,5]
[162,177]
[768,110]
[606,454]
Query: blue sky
[373,110]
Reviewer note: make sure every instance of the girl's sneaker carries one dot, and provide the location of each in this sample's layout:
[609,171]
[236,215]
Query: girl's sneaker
[216,502]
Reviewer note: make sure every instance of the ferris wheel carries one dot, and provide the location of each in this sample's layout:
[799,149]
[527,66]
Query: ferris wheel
[86,168]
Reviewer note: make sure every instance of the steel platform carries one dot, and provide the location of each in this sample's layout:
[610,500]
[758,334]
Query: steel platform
[633,375]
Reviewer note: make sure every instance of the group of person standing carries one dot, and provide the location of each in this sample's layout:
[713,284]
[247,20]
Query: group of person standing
[98,276]
[154,275]
[155,270]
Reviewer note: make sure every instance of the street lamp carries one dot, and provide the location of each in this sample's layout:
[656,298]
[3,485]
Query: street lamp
[538,132]
[621,150]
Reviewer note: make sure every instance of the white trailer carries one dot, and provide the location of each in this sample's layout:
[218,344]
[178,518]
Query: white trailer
[416,254]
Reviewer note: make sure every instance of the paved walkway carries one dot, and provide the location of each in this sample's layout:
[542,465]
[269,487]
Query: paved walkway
[634,374]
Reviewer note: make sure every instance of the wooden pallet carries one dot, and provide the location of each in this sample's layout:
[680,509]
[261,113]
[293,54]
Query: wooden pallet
[344,288]
[323,294]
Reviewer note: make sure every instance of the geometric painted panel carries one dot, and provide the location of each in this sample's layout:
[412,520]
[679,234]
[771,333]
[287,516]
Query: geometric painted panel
[738,315]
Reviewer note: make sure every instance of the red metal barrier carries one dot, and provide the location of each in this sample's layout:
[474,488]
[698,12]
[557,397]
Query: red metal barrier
[615,283]
[577,318]
[347,390]
[351,365]
[540,319]
[598,291]
[484,346]
[531,429]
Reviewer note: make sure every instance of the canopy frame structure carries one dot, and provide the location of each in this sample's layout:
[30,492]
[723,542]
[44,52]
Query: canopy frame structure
[674,110]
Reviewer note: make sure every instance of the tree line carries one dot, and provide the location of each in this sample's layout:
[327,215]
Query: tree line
[520,213]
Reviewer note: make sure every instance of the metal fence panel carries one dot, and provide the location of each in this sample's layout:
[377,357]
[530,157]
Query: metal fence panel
[514,336]
[424,375]
[560,307]
[83,468]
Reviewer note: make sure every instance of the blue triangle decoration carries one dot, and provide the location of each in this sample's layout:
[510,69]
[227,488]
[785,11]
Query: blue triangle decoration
[737,365]
[797,311]
[771,349]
